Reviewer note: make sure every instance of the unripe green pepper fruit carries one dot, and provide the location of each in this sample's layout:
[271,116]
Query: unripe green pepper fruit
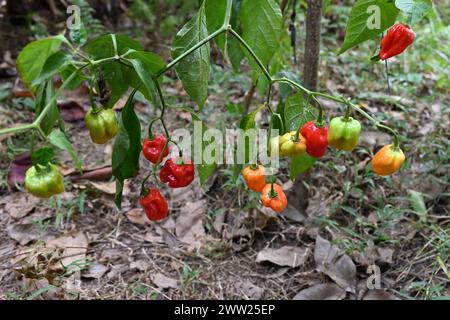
[343,134]
[44,181]
[102,125]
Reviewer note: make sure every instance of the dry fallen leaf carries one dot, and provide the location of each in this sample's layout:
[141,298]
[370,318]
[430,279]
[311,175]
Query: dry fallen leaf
[286,256]
[317,206]
[74,244]
[163,282]
[248,290]
[137,216]
[153,238]
[189,225]
[373,254]
[18,205]
[24,233]
[339,267]
[95,271]
[141,265]
[293,213]
[110,187]
[379,294]
[324,291]
[71,111]
[18,167]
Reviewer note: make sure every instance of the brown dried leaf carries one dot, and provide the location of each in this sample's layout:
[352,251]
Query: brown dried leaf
[163,282]
[293,214]
[24,233]
[95,271]
[71,111]
[379,294]
[337,266]
[286,256]
[18,205]
[324,291]
[75,247]
[110,187]
[137,216]
[17,169]
[249,290]
[141,265]
[189,225]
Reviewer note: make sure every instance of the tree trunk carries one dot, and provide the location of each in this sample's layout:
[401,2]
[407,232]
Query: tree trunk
[299,196]
[312,44]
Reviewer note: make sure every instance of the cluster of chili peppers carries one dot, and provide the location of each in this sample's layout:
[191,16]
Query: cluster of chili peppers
[272,194]
[176,174]
[313,139]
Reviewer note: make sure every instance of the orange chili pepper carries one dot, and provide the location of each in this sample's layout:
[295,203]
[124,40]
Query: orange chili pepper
[388,160]
[274,197]
[254,177]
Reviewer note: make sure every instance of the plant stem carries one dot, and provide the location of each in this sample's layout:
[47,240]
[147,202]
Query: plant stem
[226,21]
[44,112]
[269,94]
[190,50]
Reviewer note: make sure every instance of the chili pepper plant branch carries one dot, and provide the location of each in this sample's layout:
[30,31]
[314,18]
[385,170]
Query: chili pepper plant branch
[36,125]
[341,100]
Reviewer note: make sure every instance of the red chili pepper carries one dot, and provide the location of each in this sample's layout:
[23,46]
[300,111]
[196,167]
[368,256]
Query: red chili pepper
[152,148]
[154,204]
[396,40]
[316,138]
[177,175]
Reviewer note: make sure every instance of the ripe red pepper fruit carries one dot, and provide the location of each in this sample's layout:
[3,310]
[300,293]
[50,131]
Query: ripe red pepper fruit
[154,204]
[396,40]
[152,148]
[316,138]
[177,175]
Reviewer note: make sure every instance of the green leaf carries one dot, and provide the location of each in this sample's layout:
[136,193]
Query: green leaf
[44,95]
[418,204]
[276,122]
[153,62]
[147,65]
[415,9]
[204,170]
[127,147]
[65,73]
[368,19]
[234,51]
[60,140]
[52,66]
[32,58]
[215,16]
[247,123]
[300,164]
[262,25]
[297,112]
[42,156]
[194,69]
[117,76]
